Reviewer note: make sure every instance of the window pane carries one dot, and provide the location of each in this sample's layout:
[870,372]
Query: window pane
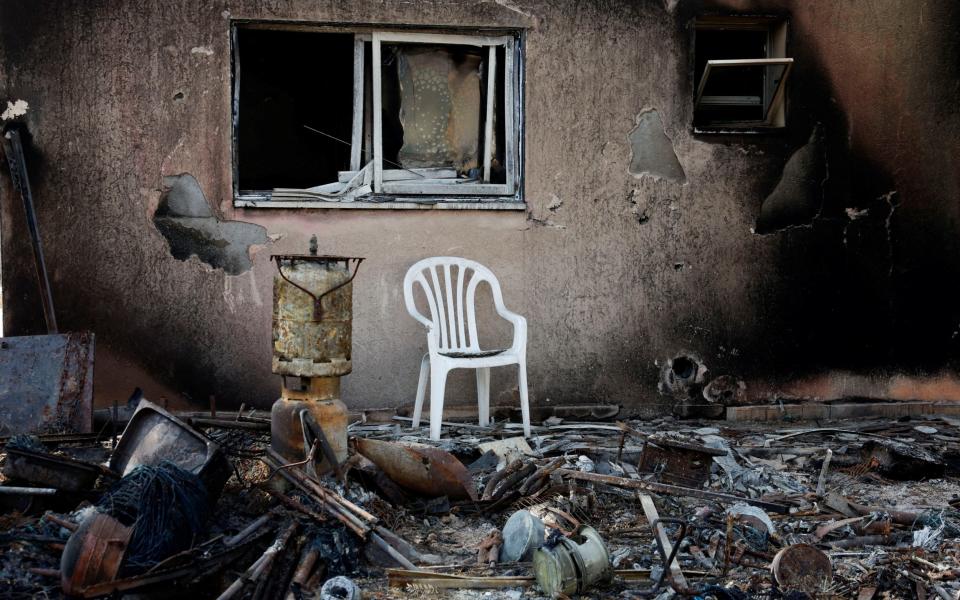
[289,79]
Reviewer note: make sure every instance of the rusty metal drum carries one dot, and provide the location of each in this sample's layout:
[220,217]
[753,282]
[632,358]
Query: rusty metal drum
[313,314]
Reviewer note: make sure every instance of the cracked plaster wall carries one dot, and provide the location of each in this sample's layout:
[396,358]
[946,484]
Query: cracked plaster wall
[125,94]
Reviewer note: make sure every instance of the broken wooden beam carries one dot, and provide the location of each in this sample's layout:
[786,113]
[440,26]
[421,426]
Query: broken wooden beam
[402,578]
[650,511]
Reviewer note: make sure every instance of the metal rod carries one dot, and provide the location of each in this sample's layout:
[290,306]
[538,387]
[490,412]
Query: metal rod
[248,530]
[671,490]
[392,552]
[18,173]
[397,165]
[27,491]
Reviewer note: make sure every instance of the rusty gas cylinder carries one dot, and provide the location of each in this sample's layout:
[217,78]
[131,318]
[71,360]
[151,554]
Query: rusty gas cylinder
[313,315]
[312,326]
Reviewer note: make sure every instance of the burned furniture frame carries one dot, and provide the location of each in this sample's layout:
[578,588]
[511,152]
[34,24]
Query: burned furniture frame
[376,184]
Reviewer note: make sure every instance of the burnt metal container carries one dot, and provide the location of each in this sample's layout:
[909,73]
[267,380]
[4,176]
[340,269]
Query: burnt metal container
[313,315]
[49,470]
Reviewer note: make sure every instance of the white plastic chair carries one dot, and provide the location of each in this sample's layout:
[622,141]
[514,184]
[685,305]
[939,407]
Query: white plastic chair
[450,285]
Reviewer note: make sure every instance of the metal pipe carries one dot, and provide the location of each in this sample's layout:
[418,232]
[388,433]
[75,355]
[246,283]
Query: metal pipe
[18,173]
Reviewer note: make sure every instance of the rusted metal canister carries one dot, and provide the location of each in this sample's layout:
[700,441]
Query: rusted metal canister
[312,327]
[312,315]
[572,565]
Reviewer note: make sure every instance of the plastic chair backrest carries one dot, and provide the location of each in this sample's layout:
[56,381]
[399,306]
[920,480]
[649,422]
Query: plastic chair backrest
[450,285]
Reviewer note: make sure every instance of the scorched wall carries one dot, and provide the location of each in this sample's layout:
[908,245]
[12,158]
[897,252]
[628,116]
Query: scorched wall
[829,247]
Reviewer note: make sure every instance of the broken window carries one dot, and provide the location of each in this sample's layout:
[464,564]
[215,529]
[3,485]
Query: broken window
[391,115]
[740,73]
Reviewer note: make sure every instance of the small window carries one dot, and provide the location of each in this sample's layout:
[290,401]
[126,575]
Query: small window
[740,73]
[389,116]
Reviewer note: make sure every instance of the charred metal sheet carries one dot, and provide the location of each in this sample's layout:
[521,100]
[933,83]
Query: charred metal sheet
[678,462]
[44,469]
[423,469]
[154,435]
[440,107]
[46,383]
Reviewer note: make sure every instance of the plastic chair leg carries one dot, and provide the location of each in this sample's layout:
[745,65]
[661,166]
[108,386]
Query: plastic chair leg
[483,395]
[524,400]
[438,380]
[421,389]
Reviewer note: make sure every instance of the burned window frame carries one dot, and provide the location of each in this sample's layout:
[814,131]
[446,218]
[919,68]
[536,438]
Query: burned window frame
[775,95]
[377,184]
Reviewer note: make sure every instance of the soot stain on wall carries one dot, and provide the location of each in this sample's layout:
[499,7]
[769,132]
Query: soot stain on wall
[192,229]
[798,196]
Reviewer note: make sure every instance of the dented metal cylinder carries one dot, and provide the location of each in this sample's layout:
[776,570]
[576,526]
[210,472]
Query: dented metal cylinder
[313,315]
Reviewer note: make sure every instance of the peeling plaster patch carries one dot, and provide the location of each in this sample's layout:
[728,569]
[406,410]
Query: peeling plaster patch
[652,151]
[15,109]
[185,218]
[205,50]
[555,203]
[799,194]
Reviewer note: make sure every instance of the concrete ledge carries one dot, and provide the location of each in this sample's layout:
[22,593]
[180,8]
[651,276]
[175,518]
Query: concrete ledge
[387,205]
[840,411]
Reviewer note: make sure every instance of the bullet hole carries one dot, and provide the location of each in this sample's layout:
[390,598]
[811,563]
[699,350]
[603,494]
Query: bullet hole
[178,96]
[683,367]
[681,374]
[678,266]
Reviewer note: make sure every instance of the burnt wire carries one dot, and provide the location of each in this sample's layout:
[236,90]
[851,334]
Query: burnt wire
[166,506]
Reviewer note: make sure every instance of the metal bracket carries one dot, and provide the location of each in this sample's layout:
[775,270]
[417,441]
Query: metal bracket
[318,299]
